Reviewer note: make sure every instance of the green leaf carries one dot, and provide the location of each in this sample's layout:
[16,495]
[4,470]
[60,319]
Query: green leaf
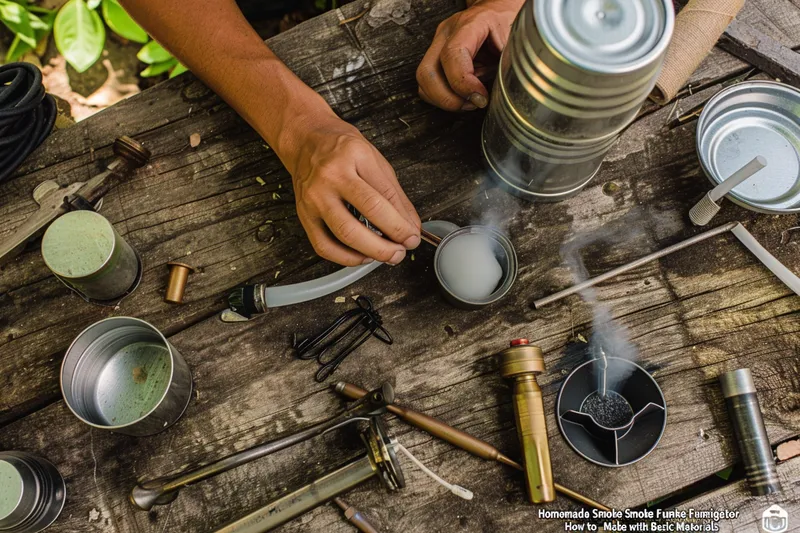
[17,49]
[158,68]
[16,18]
[152,53]
[121,23]
[40,24]
[92,4]
[79,34]
[179,69]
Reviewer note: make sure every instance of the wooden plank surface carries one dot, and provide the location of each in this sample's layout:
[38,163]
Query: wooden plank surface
[691,316]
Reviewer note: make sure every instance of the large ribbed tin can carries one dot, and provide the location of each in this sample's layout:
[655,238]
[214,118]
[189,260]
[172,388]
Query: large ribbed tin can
[32,493]
[573,74]
[84,251]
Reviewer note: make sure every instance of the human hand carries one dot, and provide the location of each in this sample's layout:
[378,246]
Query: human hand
[448,74]
[333,165]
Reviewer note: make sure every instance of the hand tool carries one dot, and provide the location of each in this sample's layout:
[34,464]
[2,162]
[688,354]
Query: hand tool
[456,437]
[739,391]
[380,461]
[178,275]
[354,516]
[741,233]
[520,363]
[55,200]
[164,490]
[316,347]
[703,211]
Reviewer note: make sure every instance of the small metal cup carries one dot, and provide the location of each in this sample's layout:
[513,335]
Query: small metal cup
[32,493]
[87,254]
[123,375]
[503,251]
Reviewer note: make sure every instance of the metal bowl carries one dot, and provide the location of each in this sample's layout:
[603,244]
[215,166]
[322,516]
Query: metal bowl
[503,251]
[122,374]
[747,120]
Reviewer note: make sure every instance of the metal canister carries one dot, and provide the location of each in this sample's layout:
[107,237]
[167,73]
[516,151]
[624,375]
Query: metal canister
[32,493]
[520,363]
[84,251]
[122,374]
[739,391]
[572,76]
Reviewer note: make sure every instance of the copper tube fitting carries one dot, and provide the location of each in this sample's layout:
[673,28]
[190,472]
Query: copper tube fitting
[178,275]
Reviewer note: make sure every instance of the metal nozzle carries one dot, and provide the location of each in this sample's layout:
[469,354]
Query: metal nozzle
[521,362]
[164,490]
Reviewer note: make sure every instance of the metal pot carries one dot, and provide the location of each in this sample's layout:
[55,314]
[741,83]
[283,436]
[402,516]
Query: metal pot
[123,375]
[85,252]
[32,493]
[504,253]
[572,76]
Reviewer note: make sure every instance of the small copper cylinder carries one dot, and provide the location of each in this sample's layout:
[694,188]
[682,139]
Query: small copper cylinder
[178,275]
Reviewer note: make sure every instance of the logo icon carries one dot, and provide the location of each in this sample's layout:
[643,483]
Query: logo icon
[775,520]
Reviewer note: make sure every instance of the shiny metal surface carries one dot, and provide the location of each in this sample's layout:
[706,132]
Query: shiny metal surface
[573,75]
[505,254]
[750,119]
[84,251]
[741,400]
[32,493]
[164,490]
[520,363]
[380,460]
[123,375]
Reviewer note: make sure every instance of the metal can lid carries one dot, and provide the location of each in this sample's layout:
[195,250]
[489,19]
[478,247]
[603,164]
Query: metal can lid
[749,119]
[78,244]
[606,36]
[10,489]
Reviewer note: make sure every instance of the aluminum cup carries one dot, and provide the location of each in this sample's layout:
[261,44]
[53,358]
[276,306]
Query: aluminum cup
[505,254]
[85,252]
[32,493]
[123,375]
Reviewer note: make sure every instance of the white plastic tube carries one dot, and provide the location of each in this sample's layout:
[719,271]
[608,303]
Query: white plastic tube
[316,288]
[784,274]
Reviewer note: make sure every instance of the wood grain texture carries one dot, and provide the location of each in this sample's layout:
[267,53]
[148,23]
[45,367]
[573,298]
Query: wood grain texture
[691,316]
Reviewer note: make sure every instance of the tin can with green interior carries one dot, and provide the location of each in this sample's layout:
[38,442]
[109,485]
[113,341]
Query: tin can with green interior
[573,75]
[32,493]
[85,252]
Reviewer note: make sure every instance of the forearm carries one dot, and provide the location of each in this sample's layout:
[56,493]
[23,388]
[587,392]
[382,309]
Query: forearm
[213,39]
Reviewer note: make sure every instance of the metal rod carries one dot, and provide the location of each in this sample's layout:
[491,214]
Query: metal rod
[355,517]
[161,491]
[304,499]
[457,438]
[430,238]
[634,264]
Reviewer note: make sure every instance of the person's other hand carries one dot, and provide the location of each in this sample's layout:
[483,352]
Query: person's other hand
[448,74]
[334,165]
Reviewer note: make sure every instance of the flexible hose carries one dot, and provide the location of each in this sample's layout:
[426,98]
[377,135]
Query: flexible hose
[27,114]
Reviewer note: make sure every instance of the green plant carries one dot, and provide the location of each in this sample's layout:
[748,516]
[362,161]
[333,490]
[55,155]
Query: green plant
[80,34]
[158,61]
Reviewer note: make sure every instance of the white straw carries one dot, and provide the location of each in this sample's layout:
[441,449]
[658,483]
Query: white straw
[459,491]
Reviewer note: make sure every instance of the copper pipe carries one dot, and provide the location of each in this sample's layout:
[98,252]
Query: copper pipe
[354,516]
[430,238]
[457,438]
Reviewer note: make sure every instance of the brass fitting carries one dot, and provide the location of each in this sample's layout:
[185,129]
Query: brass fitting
[521,362]
[178,275]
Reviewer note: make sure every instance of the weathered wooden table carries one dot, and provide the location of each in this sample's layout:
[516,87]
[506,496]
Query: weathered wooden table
[691,316]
